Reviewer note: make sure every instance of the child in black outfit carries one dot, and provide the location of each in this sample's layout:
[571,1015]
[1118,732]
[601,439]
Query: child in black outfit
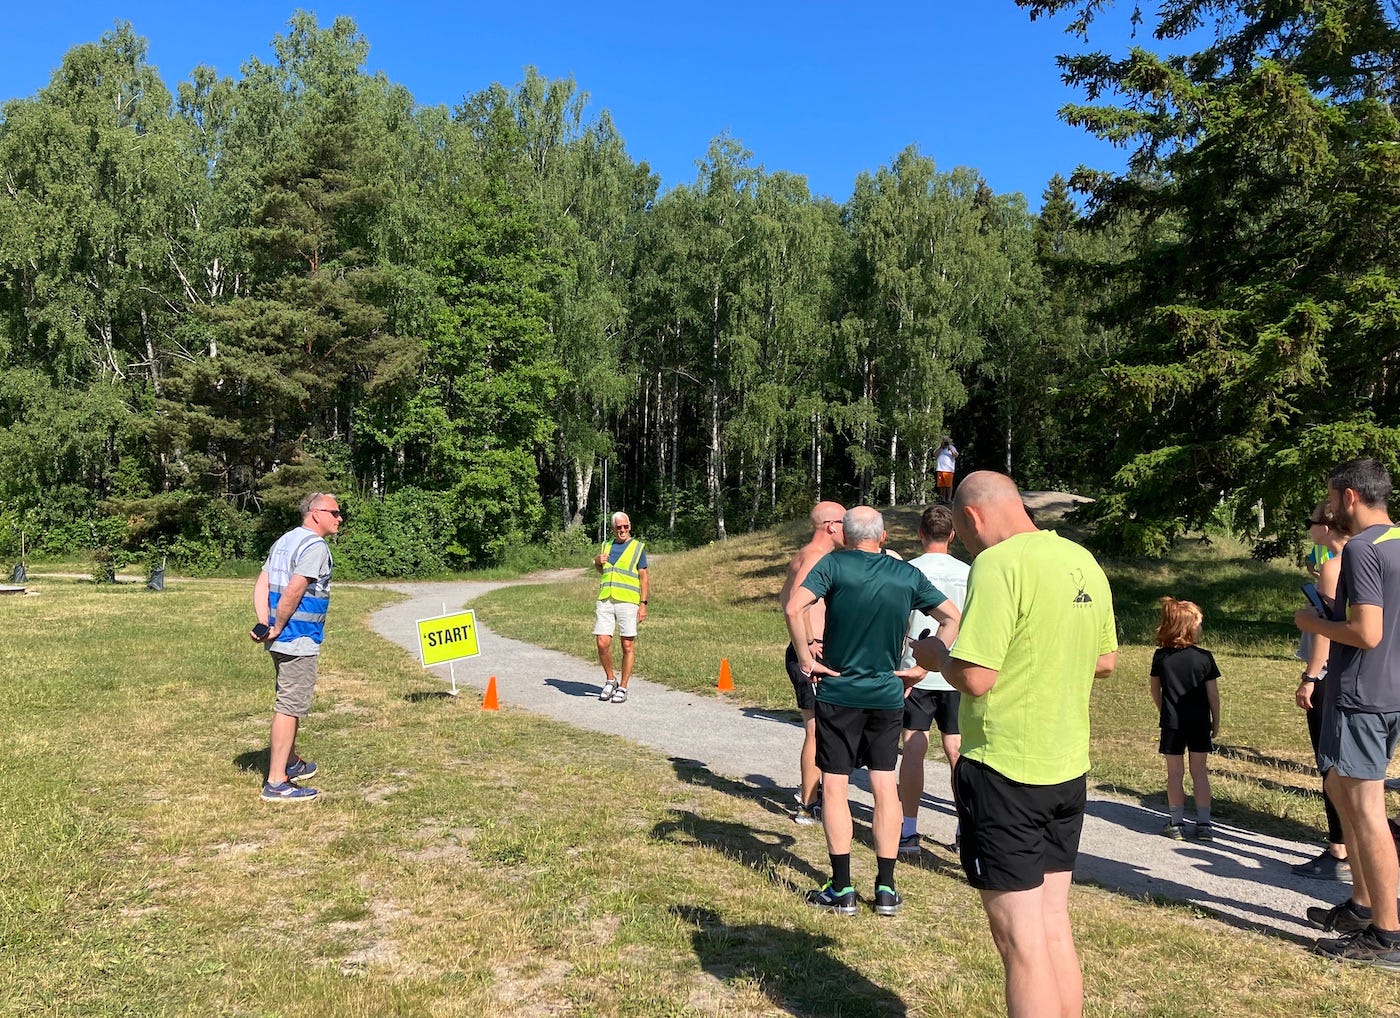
[1188,702]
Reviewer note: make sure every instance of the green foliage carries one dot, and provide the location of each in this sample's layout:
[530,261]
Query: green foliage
[401,534]
[1259,300]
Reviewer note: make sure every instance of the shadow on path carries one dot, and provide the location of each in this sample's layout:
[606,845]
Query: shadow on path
[793,969]
[572,687]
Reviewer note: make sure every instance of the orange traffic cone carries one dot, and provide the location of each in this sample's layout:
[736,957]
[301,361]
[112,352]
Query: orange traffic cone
[488,702]
[726,684]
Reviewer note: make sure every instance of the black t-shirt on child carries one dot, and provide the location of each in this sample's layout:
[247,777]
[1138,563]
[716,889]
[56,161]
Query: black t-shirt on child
[1184,672]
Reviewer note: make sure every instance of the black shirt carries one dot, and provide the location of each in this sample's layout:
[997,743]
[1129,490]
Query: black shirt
[1184,672]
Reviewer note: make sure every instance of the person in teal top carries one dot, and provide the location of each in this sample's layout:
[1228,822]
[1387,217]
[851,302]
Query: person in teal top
[859,698]
[1037,629]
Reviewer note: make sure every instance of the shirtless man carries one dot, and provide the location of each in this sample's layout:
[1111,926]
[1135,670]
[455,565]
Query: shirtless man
[826,537]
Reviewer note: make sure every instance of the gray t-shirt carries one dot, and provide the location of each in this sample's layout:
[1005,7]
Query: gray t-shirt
[1369,680]
[950,576]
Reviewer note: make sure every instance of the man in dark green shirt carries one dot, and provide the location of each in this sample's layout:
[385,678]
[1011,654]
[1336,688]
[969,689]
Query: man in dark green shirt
[860,699]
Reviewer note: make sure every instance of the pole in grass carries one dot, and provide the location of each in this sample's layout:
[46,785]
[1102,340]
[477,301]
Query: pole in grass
[446,639]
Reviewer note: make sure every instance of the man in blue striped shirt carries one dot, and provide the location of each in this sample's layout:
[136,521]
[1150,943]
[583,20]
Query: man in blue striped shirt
[291,598]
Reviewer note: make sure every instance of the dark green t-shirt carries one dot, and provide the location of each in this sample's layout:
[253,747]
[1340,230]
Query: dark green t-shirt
[868,600]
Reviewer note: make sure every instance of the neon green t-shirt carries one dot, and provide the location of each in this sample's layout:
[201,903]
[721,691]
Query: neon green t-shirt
[1039,612]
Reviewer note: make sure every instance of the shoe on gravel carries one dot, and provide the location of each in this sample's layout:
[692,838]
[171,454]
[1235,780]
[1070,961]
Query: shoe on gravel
[609,688]
[887,900]
[1174,832]
[828,899]
[1325,867]
[1365,946]
[619,695]
[287,792]
[1205,832]
[1337,919]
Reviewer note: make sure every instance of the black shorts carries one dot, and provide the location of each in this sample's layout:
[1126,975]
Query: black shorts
[851,737]
[1176,741]
[802,686]
[924,708]
[1013,834]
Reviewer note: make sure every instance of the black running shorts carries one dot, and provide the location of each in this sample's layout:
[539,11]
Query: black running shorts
[924,708]
[851,737]
[1176,741]
[1013,834]
[801,684]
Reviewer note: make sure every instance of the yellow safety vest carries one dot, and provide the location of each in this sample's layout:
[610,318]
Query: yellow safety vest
[622,581]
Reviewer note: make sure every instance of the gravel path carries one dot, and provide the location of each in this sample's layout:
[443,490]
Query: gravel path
[1242,877]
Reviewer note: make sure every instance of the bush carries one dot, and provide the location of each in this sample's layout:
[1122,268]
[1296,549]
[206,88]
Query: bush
[404,534]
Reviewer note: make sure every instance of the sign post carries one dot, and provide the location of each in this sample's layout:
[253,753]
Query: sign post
[445,639]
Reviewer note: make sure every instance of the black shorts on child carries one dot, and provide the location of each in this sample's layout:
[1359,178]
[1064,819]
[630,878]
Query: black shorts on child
[1195,738]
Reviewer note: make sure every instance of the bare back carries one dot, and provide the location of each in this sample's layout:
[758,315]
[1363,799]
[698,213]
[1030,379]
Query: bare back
[797,571]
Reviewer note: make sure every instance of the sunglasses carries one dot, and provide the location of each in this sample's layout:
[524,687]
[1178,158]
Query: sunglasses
[334,512]
[1317,523]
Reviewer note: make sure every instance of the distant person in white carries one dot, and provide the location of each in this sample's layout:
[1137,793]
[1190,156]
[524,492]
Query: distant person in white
[945,465]
[931,701]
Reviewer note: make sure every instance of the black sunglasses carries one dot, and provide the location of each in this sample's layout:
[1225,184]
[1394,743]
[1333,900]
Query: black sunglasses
[334,512]
[1316,523]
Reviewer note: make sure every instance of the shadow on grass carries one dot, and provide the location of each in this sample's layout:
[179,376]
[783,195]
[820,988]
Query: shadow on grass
[259,760]
[427,694]
[765,851]
[793,969]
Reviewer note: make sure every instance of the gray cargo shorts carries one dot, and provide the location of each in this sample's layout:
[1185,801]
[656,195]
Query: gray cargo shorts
[296,681]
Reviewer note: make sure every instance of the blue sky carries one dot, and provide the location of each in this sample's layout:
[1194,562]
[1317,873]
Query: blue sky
[822,89]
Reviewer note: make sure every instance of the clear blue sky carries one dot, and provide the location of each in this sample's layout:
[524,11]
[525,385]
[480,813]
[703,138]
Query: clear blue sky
[818,88]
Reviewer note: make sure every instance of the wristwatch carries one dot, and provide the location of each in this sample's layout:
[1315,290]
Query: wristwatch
[644,601]
[1309,678]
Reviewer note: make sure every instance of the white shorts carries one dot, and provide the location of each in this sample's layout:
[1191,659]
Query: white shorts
[611,614]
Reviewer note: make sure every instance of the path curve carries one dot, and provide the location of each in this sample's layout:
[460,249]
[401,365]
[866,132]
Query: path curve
[1242,877]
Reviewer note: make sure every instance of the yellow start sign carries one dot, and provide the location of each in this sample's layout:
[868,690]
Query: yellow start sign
[447,637]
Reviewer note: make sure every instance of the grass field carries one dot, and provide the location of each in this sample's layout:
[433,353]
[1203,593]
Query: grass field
[470,863]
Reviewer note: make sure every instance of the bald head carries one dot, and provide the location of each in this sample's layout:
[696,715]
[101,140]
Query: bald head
[987,509]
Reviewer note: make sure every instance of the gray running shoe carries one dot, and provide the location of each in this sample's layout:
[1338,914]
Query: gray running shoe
[1325,867]
[887,900]
[1173,831]
[609,688]
[1365,946]
[909,844]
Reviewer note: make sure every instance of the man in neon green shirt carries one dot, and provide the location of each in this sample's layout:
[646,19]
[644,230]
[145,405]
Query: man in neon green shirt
[1037,629]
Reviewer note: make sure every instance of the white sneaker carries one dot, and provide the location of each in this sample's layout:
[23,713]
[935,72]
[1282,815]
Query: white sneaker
[609,688]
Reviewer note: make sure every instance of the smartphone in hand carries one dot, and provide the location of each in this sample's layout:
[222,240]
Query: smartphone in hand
[261,630]
[1314,598]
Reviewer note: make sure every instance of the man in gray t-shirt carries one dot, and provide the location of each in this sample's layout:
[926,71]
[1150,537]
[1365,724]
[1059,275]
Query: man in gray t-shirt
[1361,711]
[290,601]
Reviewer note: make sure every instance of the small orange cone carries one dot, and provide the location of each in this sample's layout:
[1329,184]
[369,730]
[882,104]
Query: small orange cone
[726,684]
[488,702]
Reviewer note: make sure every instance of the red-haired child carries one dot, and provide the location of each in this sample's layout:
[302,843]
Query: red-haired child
[1188,704]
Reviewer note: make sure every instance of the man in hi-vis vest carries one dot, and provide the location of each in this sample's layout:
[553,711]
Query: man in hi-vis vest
[622,603]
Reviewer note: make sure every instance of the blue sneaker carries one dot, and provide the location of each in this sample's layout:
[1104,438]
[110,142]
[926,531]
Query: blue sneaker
[287,792]
[829,899]
[301,769]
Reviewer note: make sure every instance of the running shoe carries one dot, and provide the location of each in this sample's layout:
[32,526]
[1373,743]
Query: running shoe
[287,792]
[887,900]
[609,688]
[909,844]
[1366,946]
[1337,919]
[1325,867]
[806,814]
[301,769]
[829,899]
[1205,832]
[1173,831]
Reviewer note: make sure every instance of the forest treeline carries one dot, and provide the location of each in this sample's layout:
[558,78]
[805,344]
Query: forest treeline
[485,325]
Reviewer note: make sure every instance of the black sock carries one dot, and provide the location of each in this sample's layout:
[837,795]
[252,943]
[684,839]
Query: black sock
[1361,911]
[1391,937]
[840,872]
[884,874]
